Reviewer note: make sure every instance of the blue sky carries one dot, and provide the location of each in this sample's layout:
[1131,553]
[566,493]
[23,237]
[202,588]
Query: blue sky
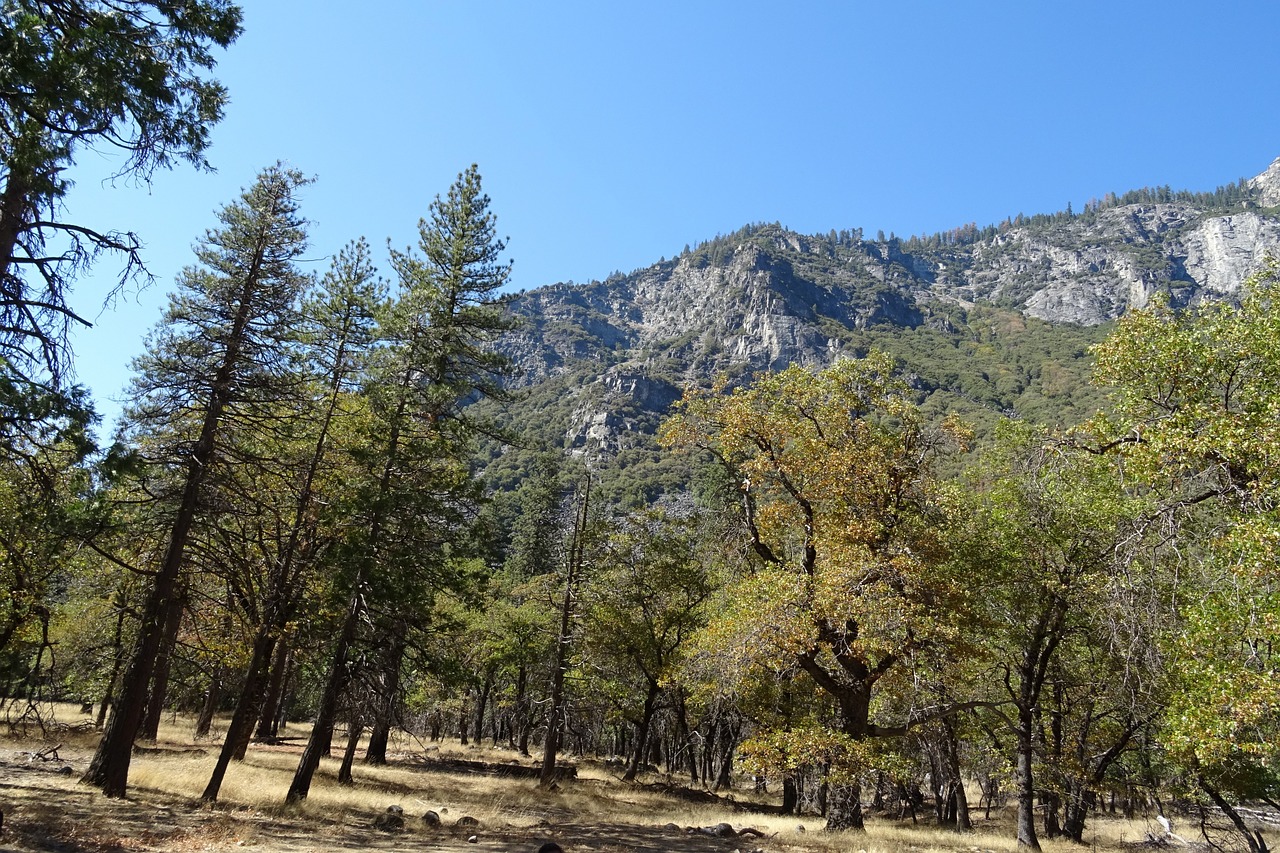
[612,134]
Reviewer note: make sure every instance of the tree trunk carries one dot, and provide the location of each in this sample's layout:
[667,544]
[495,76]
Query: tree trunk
[963,821]
[388,700]
[482,705]
[844,807]
[642,734]
[117,660]
[790,794]
[1032,671]
[271,704]
[349,755]
[686,738]
[1252,837]
[212,699]
[1026,820]
[1080,801]
[15,214]
[724,780]
[150,729]
[526,728]
[322,730]
[245,713]
[109,769]
[555,707]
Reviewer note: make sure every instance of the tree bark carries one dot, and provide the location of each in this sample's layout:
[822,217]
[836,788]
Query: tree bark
[844,807]
[267,727]
[212,699]
[642,733]
[245,713]
[117,660]
[1253,838]
[322,730]
[349,754]
[1026,819]
[964,821]
[164,662]
[388,700]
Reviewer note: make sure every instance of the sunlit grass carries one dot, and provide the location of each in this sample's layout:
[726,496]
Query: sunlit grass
[179,766]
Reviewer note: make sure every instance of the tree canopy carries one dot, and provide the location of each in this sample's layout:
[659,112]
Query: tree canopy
[76,75]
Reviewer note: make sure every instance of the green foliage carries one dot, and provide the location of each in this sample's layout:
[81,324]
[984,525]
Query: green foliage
[47,509]
[449,309]
[834,472]
[80,74]
[846,759]
[646,601]
[1196,414]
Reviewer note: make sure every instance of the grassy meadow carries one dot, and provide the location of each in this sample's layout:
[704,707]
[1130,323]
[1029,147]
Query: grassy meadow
[46,807]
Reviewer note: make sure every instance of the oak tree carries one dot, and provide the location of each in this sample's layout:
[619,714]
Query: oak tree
[838,498]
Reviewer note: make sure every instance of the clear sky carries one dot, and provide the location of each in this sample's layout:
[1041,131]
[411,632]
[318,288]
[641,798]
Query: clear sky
[611,134]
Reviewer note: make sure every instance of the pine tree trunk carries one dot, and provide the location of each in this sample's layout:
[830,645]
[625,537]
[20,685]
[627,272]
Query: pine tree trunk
[245,713]
[267,727]
[322,730]
[109,769]
[160,677]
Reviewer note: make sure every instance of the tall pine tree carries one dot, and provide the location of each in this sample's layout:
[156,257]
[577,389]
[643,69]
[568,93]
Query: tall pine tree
[437,358]
[218,358]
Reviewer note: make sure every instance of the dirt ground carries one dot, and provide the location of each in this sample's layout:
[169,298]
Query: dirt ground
[46,809]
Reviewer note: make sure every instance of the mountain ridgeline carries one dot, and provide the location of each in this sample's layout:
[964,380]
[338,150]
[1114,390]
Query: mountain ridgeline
[983,322]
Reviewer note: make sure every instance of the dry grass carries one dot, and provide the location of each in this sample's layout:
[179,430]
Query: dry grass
[597,812]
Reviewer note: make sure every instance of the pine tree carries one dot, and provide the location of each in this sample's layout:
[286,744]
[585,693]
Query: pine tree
[437,358]
[127,75]
[339,331]
[217,360]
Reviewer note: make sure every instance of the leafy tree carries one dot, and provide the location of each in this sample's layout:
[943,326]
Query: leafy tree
[838,500]
[127,75]
[643,608]
[521,629]
[1048,533]
[1197,416]
[215,364]
[45,513]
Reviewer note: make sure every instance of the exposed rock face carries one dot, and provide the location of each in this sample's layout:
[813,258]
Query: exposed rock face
[1267,185]
[766,297]
[1220,253]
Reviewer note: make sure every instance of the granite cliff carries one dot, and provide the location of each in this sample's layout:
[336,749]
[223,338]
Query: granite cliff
[620,351]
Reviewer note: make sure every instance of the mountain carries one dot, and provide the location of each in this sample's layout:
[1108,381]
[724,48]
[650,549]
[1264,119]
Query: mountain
[987,321]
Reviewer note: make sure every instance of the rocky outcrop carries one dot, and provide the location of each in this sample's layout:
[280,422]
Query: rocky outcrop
[1219,254]
[766,297]
[1267,185]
